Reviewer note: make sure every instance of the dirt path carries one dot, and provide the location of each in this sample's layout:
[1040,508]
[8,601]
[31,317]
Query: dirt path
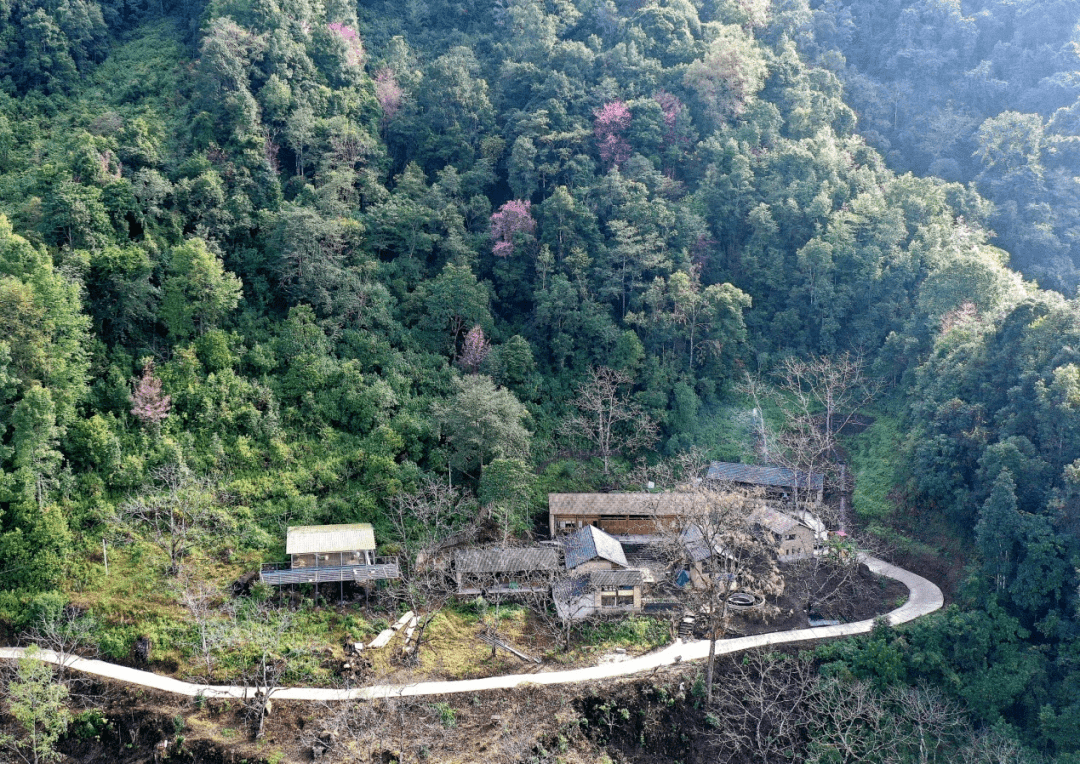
[925,597]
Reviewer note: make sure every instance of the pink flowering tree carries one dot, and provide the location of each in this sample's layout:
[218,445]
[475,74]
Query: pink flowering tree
[474,350]
[354,47]
[388,93]
[670,105]
[609,123]
[514,217]
[148,404]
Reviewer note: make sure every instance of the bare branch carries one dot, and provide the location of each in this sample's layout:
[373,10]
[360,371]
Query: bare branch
[607,418]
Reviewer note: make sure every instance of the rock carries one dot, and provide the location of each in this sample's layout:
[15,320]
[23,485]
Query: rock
[243,584]
[143,646]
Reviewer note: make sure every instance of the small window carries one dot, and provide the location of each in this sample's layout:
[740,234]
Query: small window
[607,599]
[790,537]
[625,598]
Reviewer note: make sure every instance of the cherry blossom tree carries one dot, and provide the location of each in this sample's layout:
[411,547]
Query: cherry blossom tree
[512,218]
[670,105]
[148,404]
[611,120]
[388,93]
[474,350]
[354,47]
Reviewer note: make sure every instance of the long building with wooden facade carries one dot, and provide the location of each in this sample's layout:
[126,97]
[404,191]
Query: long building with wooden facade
[620,514]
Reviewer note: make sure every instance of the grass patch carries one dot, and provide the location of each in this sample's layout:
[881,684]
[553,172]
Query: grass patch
[877,460]
[730,432]
[454,650]
[637,631]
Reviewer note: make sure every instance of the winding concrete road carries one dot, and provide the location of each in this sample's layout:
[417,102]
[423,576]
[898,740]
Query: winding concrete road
[925,597]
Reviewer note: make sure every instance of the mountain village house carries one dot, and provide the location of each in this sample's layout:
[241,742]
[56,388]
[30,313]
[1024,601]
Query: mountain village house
[778,483]
[330,553]
[504,571]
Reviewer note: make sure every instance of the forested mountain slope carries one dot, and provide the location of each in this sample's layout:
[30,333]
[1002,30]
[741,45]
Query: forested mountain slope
[976,91]
[280,258]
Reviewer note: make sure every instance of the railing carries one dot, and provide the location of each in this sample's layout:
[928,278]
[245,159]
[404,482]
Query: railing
[279,573]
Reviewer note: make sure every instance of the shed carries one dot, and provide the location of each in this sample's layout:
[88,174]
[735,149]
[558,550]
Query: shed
[350,544]
[324,553]
[501,570]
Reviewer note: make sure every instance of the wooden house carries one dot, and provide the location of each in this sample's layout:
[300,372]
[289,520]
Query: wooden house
[325,553]
[504,571]
[629,516]
[779,483]
[599,592]
[792,539]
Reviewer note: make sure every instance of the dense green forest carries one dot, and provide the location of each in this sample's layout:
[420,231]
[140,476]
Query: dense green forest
[284,260]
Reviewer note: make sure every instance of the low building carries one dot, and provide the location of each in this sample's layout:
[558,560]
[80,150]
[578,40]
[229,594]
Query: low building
[629,516]
[590,549]
[330,553]
[599,592]
[778,482]
[792,539]
[504,571]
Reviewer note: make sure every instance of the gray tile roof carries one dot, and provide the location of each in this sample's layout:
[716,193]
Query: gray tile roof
[777,522]
[309,539]
[755,474]
[506,560]
[632,504]
[589,543]
[608,578]
[693,541]
[566,588]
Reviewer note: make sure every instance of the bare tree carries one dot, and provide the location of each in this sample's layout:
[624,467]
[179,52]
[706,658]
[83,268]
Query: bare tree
[180,512]
[424,520]
[577,610]
[685,469]
[817,398]
[203,599]
[261,632]
[829,582]
[724,551]
[837,387]
[350,731]
[69,633]
[607,418]
[993,746]
[760,709]
[931,722]
[848,723]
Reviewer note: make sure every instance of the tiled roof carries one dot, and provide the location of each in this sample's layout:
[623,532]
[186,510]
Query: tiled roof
[634,504]
[566,588]
[755,474]
[608,578]
[777,522]
[308,539]
[589,543]
[694,541]
[499,560]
